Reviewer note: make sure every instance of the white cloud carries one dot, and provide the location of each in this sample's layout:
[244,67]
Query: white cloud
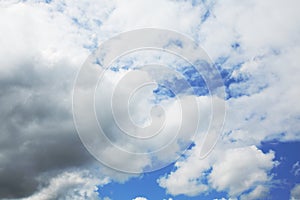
[186,179]
[234,170]
[180,16]
[295,192]
[50,37]
[240,169]
[70,185]
[296,168]
[259,192]
[269,110]
[140,198]
[260,38]
[43,50]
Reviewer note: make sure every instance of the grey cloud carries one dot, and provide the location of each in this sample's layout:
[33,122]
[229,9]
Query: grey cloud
[37,132]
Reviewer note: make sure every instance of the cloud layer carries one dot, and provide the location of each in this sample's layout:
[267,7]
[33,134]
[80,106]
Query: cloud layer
[44,44]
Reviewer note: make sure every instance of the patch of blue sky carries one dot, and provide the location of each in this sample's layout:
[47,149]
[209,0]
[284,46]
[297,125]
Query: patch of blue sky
[167,89]
[174,42]
[162,90]
[205,16]
[92,46]
[60,6]
[226,74]
[123,64]
[193,77]
[221,60]
[98,61]
[115,69]
[287,153]
[191,83]
[81,23]
[197,2]
[146,186]
[244,88]
[235,45]
[97,22]
[195,80]
[237,85]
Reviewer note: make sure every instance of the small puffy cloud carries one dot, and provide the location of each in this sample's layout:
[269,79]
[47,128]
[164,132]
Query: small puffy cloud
[140,198]
[295,192]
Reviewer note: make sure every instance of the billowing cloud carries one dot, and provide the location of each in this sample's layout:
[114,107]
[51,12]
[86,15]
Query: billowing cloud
[38,139]
[241,169]
[44,44]
[235,170]
[251,50]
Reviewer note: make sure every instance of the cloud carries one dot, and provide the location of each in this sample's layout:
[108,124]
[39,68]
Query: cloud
[234,170]
[258,193]
[140,198]
[255,79]
[255,74]
[45,44]
[158,14]
[296,169]
[38,137]
[241,169]
[70,185]
[295,192]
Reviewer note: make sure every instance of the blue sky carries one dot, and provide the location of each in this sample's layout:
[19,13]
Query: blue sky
[79,99]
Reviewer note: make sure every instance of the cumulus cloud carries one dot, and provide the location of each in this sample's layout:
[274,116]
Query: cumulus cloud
[140,198]
[252,50]
[241,169]
[255,66]
[235,170]
[38,137]
[45,44]
[258,193]
[295,192]
[70,185]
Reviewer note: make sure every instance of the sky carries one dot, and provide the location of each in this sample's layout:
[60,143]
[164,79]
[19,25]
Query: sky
[210,111]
